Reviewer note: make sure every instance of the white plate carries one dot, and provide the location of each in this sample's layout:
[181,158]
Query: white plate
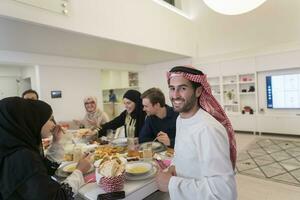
[138,168]
[63,171]
[150,174]
[120,142]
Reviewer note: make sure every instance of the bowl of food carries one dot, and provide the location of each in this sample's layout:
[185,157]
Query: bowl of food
[138,168]
[69,168]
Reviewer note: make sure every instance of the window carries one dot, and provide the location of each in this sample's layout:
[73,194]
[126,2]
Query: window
[172,2]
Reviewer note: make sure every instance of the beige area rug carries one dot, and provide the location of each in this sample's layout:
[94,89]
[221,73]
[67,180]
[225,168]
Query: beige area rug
[272,159]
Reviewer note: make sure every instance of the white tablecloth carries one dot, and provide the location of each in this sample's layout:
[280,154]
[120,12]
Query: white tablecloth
[134,190]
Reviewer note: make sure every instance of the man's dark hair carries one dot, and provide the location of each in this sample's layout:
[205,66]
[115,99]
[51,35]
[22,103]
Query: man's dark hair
[190,71]
[30,91]
[155,95]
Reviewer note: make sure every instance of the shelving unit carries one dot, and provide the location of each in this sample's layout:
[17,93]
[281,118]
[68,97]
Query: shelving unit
[215,87]
[248,92]
[235,92]
[133,79]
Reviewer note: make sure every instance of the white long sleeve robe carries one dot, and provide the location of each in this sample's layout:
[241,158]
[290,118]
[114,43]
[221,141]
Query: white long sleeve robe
[202,160]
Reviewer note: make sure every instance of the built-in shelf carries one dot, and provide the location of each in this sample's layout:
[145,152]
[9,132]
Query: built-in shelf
[229,83]
[229,89]
[246,82]
[230,104]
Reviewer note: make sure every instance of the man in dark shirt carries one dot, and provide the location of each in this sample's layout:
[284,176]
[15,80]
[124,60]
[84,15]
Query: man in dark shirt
[161,118]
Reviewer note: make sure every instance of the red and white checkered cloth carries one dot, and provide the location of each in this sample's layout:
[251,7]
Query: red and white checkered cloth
[112,184]
[208,103]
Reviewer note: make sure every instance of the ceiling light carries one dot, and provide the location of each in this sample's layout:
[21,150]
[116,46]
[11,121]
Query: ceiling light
[233,7]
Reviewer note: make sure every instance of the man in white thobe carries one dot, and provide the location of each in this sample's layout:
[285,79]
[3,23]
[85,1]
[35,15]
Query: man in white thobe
[205,151]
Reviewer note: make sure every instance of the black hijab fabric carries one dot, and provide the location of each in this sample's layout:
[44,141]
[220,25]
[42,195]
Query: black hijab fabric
[21,121]
[138,113]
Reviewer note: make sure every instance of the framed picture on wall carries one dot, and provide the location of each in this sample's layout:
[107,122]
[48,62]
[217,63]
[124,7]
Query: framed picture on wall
[55,94]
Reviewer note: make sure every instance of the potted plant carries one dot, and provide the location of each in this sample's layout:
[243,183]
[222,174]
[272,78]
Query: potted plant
[230,95]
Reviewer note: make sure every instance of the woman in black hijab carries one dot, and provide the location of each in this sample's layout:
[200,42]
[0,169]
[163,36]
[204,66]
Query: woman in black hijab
[132,118]
[23,167]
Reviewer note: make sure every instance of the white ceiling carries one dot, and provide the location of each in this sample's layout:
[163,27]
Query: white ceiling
[32,38]
[276,22]
[273,23]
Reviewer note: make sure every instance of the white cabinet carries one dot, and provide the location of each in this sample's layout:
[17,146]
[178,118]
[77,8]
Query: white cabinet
[112,79]
[243,122]
[120,82]
[278,124]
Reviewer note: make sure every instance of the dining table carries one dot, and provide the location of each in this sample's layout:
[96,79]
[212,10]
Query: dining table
[134,188]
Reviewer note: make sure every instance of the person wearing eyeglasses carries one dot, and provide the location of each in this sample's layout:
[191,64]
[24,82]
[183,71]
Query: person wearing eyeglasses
[94,117]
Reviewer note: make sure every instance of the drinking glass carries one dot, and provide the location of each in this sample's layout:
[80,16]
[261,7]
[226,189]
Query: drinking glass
[147,152]
[77,153]
[133,147]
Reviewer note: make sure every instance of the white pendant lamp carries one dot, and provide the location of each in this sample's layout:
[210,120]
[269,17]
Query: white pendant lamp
[233,7]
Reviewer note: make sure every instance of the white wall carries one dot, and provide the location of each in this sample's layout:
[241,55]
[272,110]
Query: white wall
[9,85]
[7,70]
[155,76]
[126,21]
[32,59]
[76,78]
[31,73]
[75,84]
[267,64]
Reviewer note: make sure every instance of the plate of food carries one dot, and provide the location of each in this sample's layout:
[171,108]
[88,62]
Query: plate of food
[138,168]
[156,146]
[147,175]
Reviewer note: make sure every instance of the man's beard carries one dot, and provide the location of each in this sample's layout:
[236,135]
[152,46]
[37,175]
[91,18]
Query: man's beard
[187,104]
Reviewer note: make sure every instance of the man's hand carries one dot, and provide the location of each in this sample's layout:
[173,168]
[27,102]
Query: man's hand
[172,170]
[163,138]
[162,180]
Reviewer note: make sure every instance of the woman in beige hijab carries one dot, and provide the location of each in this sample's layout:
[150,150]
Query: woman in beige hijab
[94,117]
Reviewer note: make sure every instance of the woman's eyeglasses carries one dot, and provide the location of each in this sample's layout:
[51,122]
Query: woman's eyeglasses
[89,102]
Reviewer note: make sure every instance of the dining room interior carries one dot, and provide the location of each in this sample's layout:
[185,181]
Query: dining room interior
[104,48]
